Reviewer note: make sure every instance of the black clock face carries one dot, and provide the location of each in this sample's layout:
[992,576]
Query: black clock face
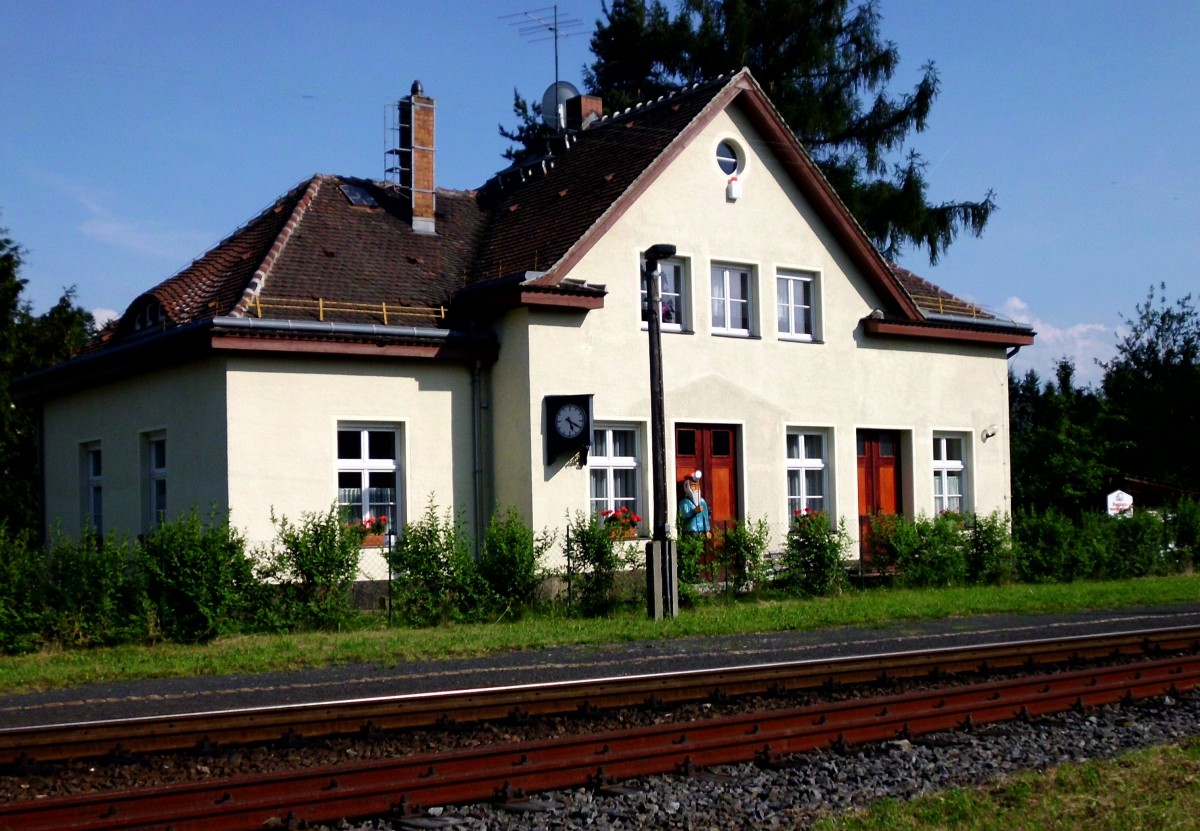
[569,420]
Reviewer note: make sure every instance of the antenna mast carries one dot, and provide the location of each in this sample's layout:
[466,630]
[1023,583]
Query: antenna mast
[544,26]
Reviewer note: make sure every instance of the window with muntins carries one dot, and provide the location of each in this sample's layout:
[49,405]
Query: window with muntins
[796,298]
[674,291]
[368,468]
[949,474]
[156,477]
[731,299]
[806,466]
[614,464]
[93,489]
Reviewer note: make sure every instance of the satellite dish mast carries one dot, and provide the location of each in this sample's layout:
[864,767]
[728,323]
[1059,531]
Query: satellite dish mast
[539,25]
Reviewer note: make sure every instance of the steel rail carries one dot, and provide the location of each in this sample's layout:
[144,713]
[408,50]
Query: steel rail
[406,785]
[48,743]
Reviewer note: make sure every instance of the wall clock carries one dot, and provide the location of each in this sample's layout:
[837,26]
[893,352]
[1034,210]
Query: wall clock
[568,425]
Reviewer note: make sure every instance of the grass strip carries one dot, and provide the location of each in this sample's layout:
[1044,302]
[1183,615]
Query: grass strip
[55,668]
[1157,788]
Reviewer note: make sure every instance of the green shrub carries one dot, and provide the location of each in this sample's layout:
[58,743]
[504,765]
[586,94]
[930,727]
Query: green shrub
[94,592]
[892,538]
[689,557]
[1140,545]
[593,557]
[21,593]
[510,560]
[989,554]
[1092,551]
[1042,543]
[940,559]
[814,560]
[1184,531]
[435,579]
[312,567]
[743,548]
[201,581]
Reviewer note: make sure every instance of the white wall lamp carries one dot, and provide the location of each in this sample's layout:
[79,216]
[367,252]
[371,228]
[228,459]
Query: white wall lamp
[989,431]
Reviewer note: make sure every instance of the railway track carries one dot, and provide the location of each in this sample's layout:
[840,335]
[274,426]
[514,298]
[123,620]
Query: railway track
[51,743]
[406,785]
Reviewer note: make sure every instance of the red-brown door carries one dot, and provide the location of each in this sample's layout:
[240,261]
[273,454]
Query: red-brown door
[878,481]
[712,450]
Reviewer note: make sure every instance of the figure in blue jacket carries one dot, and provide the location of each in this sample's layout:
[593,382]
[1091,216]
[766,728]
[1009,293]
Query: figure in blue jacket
[693,510]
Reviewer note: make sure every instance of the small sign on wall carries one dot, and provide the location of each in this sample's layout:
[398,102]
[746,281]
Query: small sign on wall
[1119,503]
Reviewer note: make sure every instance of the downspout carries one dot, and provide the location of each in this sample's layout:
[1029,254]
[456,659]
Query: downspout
[479,408]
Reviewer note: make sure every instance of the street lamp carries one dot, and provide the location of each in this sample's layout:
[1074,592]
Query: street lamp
[662,593]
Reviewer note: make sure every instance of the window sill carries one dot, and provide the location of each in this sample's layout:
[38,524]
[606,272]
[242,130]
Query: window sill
[798,339]
[735,333]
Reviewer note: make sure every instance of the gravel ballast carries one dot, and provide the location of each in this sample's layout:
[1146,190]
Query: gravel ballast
[812,784]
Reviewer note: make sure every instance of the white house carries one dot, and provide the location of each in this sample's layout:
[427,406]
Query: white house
[386,344]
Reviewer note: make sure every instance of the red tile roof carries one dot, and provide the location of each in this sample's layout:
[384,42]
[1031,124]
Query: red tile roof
[315,256]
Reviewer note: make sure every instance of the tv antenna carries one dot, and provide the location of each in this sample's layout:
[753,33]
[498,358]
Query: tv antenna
[540,25]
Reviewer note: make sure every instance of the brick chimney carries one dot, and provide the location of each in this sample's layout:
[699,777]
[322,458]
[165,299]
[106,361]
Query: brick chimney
[582,110]
[416,157]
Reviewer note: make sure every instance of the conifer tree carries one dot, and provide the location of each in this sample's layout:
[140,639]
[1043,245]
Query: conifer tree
[825,66]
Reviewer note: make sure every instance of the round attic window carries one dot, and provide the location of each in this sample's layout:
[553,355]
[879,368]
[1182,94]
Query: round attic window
[729,157]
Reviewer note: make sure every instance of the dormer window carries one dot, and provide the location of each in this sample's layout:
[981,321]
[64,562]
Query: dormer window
[149,316]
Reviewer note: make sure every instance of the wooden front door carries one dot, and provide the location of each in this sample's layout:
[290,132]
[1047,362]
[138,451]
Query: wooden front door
[879,472]
[712,450]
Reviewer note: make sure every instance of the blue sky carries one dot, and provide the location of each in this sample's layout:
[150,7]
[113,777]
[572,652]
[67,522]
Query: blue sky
[136,135]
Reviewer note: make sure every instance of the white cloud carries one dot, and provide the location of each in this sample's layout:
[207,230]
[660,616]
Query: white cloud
[1083,343]
[103,316]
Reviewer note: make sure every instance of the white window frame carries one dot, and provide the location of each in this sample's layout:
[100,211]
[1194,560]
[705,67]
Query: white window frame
[678,270]
[364,465]
[947,470]
[157,468]
[724,304]
[801,466]
[789,284]
[603,461]
[93,487]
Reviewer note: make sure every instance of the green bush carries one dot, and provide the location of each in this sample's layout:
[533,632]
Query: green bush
[510,560]
[1091,553]
[989,554]
[689,556]
[743,548]
[814,561]
[435,579]
[593,558]
[892,538]
[1183,528]
[1042,543]
[94,592]
[940,559]
[311,568]
[1140,545]
[21,593]
[201,581]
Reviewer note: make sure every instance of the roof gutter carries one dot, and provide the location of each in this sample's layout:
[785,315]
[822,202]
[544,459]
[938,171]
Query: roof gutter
[992,323]
[358,330]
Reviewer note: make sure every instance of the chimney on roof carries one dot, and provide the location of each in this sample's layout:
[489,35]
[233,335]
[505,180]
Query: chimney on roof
[582,110]
[416,120]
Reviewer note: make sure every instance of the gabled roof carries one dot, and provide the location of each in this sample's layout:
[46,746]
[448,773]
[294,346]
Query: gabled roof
[337,259]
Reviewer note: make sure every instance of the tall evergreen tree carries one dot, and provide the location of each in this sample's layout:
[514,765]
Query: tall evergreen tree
[28,342]
[1153,389]
[1059,447]
[825,66]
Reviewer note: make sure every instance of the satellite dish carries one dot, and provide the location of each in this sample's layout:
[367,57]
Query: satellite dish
[556,95]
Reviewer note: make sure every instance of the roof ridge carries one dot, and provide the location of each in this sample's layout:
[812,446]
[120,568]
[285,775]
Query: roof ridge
[263,272]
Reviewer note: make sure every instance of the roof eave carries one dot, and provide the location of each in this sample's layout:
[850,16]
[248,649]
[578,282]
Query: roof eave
[991,336]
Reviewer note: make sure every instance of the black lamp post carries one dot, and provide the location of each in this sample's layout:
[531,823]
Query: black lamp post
[662,595]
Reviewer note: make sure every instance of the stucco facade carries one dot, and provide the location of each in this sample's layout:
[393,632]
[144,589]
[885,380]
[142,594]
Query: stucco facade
[353,330]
